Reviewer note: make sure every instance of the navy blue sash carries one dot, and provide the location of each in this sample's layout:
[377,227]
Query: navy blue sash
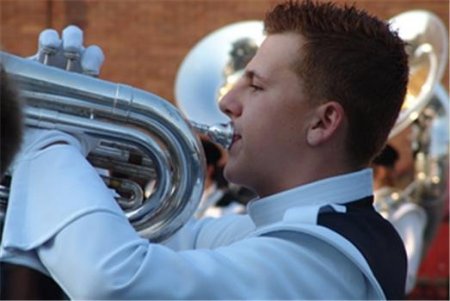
[375,238]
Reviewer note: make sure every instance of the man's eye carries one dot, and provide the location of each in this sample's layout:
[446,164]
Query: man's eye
[255,87]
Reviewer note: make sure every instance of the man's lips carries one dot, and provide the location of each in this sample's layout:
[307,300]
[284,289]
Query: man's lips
[236,137]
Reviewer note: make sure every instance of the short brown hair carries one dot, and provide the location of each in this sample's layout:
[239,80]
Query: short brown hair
[353,58]
[10,122]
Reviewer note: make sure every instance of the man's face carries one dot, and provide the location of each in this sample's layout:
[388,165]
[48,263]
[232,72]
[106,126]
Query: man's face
[269,108]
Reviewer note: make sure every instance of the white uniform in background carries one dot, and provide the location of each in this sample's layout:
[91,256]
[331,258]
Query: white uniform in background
[208,204]
[409,220]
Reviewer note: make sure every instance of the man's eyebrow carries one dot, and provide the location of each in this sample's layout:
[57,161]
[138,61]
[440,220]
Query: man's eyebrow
[253,74]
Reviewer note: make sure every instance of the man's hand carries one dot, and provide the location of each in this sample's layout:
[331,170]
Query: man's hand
[68,53]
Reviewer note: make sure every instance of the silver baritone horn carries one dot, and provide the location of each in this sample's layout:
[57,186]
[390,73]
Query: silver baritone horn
[146,149]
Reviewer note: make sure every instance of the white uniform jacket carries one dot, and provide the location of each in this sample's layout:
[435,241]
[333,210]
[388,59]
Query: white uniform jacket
[63,221]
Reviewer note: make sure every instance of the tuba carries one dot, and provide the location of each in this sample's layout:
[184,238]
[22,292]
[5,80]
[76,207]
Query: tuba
[145,148]
[212,67]
[424,116]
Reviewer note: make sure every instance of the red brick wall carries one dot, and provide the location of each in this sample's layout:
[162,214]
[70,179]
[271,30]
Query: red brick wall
[145,41]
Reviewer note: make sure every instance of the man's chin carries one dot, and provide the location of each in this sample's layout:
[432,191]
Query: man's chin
[235,175]
[231,173]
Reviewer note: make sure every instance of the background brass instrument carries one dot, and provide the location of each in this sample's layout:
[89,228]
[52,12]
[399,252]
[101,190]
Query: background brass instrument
[211,66]
[425,112]
[146,149]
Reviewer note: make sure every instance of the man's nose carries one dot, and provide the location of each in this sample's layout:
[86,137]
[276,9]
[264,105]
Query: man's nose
[230,105]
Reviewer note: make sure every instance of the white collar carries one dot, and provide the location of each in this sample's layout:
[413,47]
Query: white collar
[334,190]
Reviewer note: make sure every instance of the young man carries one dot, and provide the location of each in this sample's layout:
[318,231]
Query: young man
[314,107]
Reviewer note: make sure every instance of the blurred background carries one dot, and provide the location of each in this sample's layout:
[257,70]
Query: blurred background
[146,41]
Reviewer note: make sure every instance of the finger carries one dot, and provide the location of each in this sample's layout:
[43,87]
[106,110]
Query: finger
[38,139]
[92,60]
[87,143]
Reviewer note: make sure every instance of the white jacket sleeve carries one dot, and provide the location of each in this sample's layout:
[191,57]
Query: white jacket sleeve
[43,175]
[64,221]
[116,264]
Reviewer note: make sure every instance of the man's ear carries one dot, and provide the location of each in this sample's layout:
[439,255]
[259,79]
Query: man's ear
[325,122]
